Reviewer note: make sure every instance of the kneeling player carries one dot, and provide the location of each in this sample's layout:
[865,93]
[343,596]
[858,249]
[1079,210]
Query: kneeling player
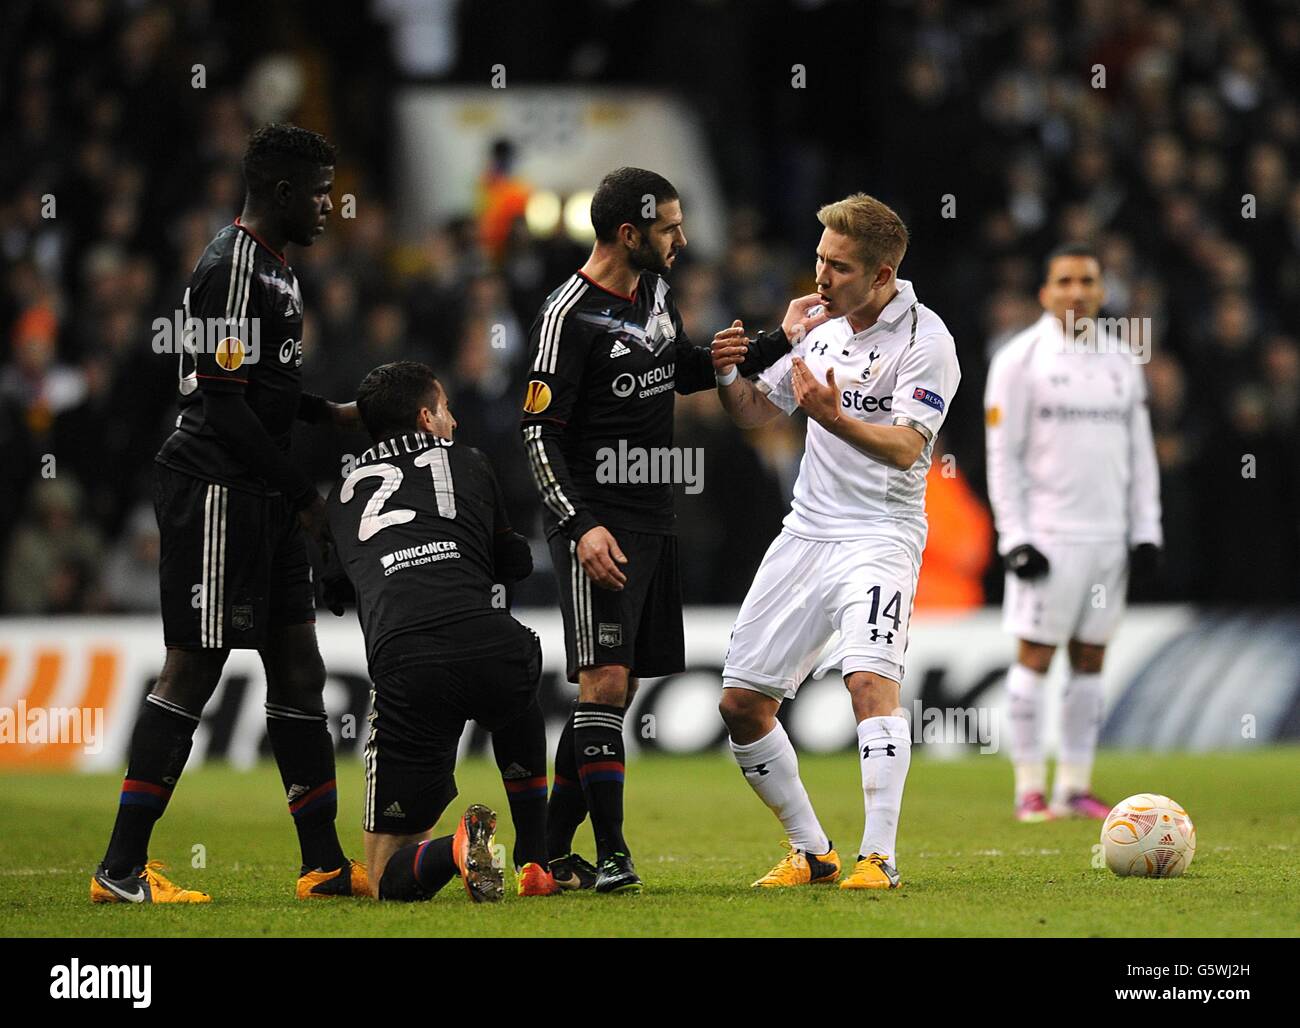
[874,381]
[422,532]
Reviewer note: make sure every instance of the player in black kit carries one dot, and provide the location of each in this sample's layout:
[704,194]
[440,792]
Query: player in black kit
[423,536]
[234,513]
[608,352]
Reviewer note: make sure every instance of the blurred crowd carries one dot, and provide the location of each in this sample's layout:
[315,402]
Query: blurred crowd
[1166,133]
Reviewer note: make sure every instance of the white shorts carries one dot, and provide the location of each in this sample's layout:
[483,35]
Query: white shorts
[858,591]
[1081,597]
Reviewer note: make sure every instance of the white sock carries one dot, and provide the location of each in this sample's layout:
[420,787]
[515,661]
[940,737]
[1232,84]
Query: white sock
[885,750]
[1025,709]
[1080,723]
[771,767]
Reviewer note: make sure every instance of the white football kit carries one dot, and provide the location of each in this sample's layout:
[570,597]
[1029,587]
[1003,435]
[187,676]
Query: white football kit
[1071,470]
[847,558]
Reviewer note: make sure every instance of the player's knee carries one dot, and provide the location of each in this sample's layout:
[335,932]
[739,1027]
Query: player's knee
[297,685]
[189,677]
[1086,658]
[873,695]
[606,685]
[741,713]
[1035,656]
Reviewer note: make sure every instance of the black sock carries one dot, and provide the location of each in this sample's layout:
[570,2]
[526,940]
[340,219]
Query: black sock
[598,746]
[520,751]
[160,745]
[304,751]
[568,806]
[417,871]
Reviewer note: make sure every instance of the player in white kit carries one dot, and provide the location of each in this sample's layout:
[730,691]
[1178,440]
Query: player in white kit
[875,380]
[1076,497]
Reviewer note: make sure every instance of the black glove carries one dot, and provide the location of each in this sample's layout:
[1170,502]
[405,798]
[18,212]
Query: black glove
[1144,561]
[512,557]
[1026,562]
[338,592]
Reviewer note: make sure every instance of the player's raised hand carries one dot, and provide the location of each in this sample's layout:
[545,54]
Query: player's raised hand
[819,402]
[729,346]
[600,556]
[800,318]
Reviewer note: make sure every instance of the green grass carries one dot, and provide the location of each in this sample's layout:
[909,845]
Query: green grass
[700,837]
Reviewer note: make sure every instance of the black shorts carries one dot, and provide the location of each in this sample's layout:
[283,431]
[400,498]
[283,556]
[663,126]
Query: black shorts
[426,686]
[640,626]
[233,565]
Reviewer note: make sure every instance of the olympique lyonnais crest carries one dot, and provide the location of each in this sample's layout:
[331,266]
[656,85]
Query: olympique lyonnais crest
[610,635]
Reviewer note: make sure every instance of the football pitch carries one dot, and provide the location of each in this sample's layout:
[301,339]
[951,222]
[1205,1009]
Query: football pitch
[699,837]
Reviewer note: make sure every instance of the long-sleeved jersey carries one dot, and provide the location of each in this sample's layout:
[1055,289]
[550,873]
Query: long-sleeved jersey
[1070,452]
[243,336]
[603,372]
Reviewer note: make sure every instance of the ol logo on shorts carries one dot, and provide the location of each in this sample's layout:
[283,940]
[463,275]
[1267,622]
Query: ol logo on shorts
[538,397]
[230,353]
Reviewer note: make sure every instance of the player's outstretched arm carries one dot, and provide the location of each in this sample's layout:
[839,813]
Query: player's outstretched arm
[233,420]
[741,399]
[898,446]
[316,410]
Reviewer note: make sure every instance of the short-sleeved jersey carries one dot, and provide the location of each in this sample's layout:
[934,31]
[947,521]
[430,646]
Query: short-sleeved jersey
[902,370]
[415,522]
[601,382]
[242,333]
[1070,451]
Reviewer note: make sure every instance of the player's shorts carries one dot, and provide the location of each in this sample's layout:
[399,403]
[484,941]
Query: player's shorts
[426,686]
[1082,596]
[856,592]
[640,626]
[233,565]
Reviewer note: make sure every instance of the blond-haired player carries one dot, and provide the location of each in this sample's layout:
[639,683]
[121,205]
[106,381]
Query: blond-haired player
[875,381]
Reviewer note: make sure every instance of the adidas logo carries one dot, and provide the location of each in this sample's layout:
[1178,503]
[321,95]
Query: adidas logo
[514,771]
[394,809]
[619,349]
[1167,840]
[295,791]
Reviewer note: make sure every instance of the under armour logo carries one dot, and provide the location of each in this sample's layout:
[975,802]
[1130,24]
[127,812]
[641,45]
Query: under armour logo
[888,748]
[817,348]
[876,633]
[757,769]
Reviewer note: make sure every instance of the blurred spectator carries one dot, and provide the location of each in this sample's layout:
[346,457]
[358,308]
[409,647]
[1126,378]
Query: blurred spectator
[503,197]
[1182,169]
[53,561]
[130,577]
[42,388]
[960,541]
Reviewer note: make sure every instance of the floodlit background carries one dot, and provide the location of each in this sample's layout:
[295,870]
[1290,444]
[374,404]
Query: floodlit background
[470,136]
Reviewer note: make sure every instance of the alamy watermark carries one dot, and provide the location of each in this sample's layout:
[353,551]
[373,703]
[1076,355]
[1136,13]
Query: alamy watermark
[1128,337]
[232,341]
[656,465]
[947,725]
[45,726]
